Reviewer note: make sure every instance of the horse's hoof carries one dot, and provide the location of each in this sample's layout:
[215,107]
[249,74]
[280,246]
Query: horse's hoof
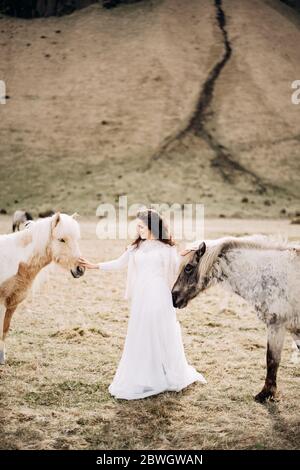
[265,395]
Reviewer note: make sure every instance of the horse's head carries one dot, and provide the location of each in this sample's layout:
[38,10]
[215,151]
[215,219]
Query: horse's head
[188,285]
[65,235]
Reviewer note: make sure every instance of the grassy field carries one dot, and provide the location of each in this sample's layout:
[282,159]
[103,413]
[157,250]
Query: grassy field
[66,342]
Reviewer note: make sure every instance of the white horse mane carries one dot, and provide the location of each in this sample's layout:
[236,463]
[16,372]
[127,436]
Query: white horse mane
[214,248]
[40,230]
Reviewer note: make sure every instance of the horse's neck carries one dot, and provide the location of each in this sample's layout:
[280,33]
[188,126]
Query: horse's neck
[37,257]
[22,263]
[36,263]
[230,270]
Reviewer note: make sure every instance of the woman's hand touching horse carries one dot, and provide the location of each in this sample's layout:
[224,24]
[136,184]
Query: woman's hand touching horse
[87,264]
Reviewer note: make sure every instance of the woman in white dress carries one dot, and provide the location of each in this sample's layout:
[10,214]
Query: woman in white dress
[153,359]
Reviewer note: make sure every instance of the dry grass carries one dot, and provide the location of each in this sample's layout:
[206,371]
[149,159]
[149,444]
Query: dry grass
[65,345]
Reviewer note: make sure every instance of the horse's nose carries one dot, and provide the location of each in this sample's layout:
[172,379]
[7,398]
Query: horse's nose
[174,298]
[80,270]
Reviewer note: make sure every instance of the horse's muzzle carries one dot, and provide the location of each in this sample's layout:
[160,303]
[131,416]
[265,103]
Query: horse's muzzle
[177,302]
[78,272]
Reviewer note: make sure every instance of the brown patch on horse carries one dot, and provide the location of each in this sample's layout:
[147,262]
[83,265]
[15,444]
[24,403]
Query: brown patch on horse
[14,290]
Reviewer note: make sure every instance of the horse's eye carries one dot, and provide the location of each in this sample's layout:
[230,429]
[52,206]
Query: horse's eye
[188,269]
[62,240]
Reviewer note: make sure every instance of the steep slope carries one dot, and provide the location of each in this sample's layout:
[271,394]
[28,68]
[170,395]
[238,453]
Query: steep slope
[166,101]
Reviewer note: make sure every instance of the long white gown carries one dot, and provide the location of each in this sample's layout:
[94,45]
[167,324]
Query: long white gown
[153,359]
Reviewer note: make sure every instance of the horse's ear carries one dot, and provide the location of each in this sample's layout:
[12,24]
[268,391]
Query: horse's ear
[200,251]
[75,215]
[55,220]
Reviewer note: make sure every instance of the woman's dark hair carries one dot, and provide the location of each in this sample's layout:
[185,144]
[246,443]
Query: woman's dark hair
[155,223]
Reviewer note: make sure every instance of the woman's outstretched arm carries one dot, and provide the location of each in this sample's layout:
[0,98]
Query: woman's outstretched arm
[113,265]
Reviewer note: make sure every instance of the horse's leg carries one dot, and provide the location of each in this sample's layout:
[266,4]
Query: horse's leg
[2,345]
[8,313]
[276,334]
[7,319]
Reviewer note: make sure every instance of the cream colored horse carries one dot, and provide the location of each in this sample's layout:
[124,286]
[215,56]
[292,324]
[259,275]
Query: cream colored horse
[24,254]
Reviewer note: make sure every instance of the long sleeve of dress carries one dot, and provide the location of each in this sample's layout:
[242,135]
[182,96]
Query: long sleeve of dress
[116,264]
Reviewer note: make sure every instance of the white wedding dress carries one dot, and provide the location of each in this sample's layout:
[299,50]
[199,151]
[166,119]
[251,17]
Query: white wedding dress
[153,359]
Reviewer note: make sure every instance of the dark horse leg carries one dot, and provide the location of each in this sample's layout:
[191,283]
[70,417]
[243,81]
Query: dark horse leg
[276,334]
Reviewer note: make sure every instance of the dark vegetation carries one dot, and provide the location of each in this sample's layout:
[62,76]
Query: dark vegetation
[45,8]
